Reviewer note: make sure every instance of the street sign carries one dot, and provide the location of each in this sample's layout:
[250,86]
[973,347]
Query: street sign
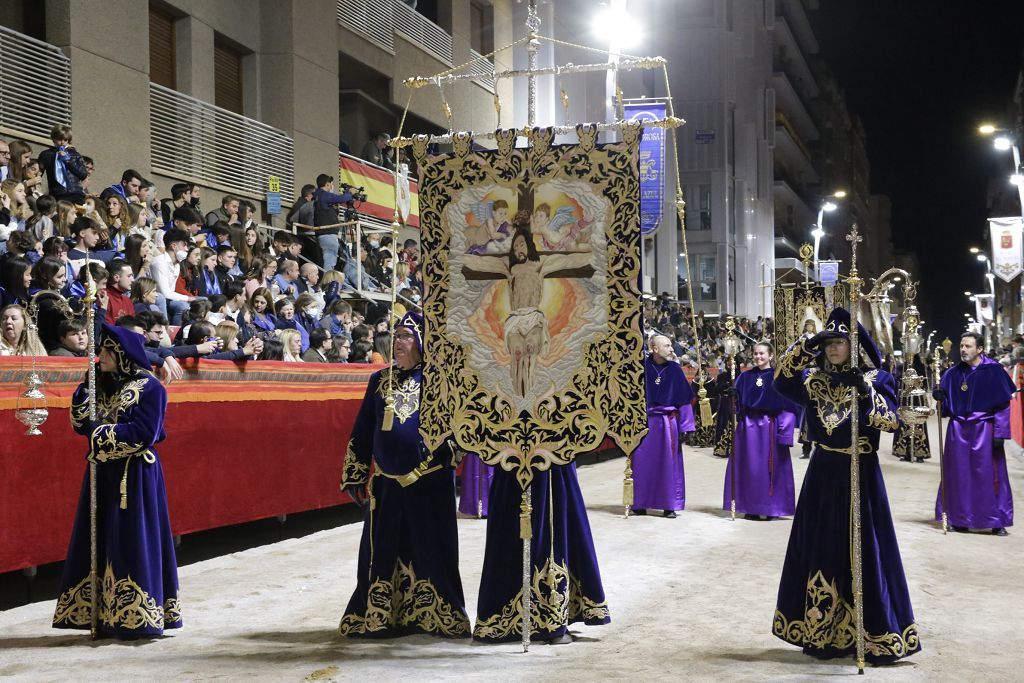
[273,195]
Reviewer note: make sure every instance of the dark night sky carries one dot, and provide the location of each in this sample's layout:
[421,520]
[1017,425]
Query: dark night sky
[921,75]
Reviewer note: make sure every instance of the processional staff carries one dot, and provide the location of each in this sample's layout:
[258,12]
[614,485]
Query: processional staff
[855,509]
[731,345]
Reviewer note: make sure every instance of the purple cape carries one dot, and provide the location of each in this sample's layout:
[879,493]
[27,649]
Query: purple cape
[977,484]
[658,478]
[764,433]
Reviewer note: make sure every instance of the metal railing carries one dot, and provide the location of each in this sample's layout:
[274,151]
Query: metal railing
[379,20]
[35,85]
[484,68]
[195,140]
[371,19]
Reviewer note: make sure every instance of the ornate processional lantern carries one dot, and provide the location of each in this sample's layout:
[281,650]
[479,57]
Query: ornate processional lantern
[915,407]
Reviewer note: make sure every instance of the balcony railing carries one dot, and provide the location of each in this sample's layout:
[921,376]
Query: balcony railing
[194,140]
[379,20]
[483,68]
[35,85]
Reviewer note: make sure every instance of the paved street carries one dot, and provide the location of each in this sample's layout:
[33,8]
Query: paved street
[691,598]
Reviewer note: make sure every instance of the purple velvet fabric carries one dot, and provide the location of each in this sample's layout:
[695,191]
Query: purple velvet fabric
[764,434]
[475,486]
[659,481]
[977,485]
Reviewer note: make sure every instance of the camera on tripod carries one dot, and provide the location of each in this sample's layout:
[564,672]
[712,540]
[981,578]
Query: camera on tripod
[358,193]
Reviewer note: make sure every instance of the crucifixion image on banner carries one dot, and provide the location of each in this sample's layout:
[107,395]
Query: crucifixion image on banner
[532,309]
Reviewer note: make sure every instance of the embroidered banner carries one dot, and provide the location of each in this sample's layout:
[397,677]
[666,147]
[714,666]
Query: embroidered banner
[534,351]
[651,164]
[1006,247]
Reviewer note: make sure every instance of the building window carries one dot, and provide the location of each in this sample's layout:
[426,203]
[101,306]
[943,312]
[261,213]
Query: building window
[698,207]
[227,76]
[161,49]
[481,27]
[707,285]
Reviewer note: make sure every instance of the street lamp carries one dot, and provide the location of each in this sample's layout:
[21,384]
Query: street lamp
[974,250]
[827,206]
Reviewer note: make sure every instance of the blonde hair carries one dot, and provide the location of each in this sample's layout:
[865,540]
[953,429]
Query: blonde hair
[64,207]
[227,330]
[20,211]
[28,343]
[331,276]
[286,338]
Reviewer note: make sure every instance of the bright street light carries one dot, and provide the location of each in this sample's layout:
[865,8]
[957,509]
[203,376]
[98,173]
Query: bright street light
[839,194]
[830,206]
[986,129]
[982,258]
[616,23]
[1002,143]
[1017,179]
[974,250]
[967,294]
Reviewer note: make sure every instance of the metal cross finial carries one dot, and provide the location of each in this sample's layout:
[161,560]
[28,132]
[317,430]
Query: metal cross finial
[853,238]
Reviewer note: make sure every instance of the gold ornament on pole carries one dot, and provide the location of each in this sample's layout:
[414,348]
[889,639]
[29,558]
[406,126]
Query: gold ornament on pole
[31,408]
[732,346]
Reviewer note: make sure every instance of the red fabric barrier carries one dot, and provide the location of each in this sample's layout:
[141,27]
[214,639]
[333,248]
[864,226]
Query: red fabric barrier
[243,443]
[1017,419]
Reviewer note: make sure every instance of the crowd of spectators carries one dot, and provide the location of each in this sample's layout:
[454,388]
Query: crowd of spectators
[673,319]
[193,283]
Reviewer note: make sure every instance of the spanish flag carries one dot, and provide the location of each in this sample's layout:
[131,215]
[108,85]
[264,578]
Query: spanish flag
[380,190]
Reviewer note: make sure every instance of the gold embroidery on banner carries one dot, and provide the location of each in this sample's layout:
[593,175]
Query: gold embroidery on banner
[556,599]
[904,445]
[406,601]
[605,396]
[828,623]
[354,471]
[123,604]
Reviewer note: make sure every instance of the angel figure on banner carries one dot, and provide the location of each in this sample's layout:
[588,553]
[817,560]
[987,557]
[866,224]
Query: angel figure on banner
[526,326]
[561,231]
[491,233]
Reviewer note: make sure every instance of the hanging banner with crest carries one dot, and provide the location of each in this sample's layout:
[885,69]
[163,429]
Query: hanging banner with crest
[1006,247]
[531,264]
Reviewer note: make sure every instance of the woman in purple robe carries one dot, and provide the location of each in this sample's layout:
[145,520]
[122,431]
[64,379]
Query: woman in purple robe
[764,433]
[975,393]
[815,606]
[658,478]
[138,574]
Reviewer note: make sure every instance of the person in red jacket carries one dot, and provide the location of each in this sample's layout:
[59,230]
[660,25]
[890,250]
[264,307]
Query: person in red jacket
[119,286]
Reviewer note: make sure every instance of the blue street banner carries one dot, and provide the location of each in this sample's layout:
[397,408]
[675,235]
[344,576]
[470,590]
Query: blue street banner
[828,273]
[652,164]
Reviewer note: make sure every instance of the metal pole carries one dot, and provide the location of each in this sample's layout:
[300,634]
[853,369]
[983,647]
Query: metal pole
[855,509]
[532,28]
[937,365]
[90,330]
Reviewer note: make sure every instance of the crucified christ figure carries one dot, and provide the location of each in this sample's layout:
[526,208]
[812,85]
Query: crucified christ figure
[526,327]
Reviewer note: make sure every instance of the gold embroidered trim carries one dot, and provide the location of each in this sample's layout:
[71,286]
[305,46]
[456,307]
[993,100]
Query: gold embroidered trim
[828,622]
[903,445]
[354,471]
[405,601]
[556,599]
[406,395]
[831,401]
[123,604]
[793,361]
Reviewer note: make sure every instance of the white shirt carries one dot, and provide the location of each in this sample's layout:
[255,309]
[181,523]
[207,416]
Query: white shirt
[166,275]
